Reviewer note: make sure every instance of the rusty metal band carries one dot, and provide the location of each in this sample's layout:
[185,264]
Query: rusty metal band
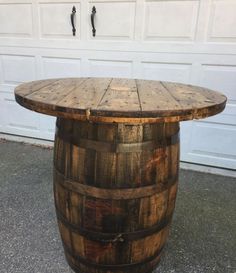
[114,237]
[113,194]
[89,263]
[101,146]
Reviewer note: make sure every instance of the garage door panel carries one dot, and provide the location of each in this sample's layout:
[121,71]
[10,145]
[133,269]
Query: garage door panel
[212,141]
[171,20]
[11,23]
[210,144]
[2,113]
[166,71]
[55,20]
[185,137]
[18,120]
[226,117]
[47,127]
[56,67]
[114,20]
[219,77]
[110,68]
[211,160]
[7,88]
[15,119]
[18,69]
[222,142]
[221,27]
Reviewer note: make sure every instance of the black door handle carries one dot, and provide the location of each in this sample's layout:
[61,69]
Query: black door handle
[72,17]
[92,20]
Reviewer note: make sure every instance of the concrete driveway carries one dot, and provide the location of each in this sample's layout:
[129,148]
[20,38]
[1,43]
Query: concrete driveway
[202,239]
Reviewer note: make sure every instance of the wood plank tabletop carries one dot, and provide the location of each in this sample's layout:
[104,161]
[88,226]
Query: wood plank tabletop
[119,100]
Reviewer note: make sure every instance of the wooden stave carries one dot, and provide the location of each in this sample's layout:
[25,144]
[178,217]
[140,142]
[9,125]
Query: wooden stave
[145,268]
[88,129]
[169,211]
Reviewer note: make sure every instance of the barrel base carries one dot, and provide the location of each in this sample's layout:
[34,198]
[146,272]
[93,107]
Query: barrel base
[80,268]
[115,188]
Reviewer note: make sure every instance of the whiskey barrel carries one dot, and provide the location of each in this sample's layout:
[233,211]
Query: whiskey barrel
[115,187]
[116,164]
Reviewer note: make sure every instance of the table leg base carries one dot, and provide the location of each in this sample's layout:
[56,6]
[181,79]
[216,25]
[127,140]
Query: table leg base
[115,188]
[80,268]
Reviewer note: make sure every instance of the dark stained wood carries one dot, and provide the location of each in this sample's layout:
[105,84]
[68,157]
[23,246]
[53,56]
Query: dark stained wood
[116,164]
[119,100]
[116,194]
[114,207]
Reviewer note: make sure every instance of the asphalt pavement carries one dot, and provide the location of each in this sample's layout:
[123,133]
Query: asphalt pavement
[202,238]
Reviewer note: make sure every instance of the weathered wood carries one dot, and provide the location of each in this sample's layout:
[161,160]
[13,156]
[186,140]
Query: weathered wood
[86,95]
[119,100]
[115,194]
[116,164]
[114,207]
[121,95]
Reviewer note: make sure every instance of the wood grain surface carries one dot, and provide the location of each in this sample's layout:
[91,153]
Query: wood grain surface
[114,205]
[119,100]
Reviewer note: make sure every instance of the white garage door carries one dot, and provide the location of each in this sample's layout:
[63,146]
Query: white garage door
[189,41]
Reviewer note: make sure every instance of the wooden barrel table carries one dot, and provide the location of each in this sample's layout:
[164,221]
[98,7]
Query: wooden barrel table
[116,162]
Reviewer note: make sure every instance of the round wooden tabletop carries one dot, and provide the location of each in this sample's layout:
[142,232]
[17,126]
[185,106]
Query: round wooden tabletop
[119,100]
